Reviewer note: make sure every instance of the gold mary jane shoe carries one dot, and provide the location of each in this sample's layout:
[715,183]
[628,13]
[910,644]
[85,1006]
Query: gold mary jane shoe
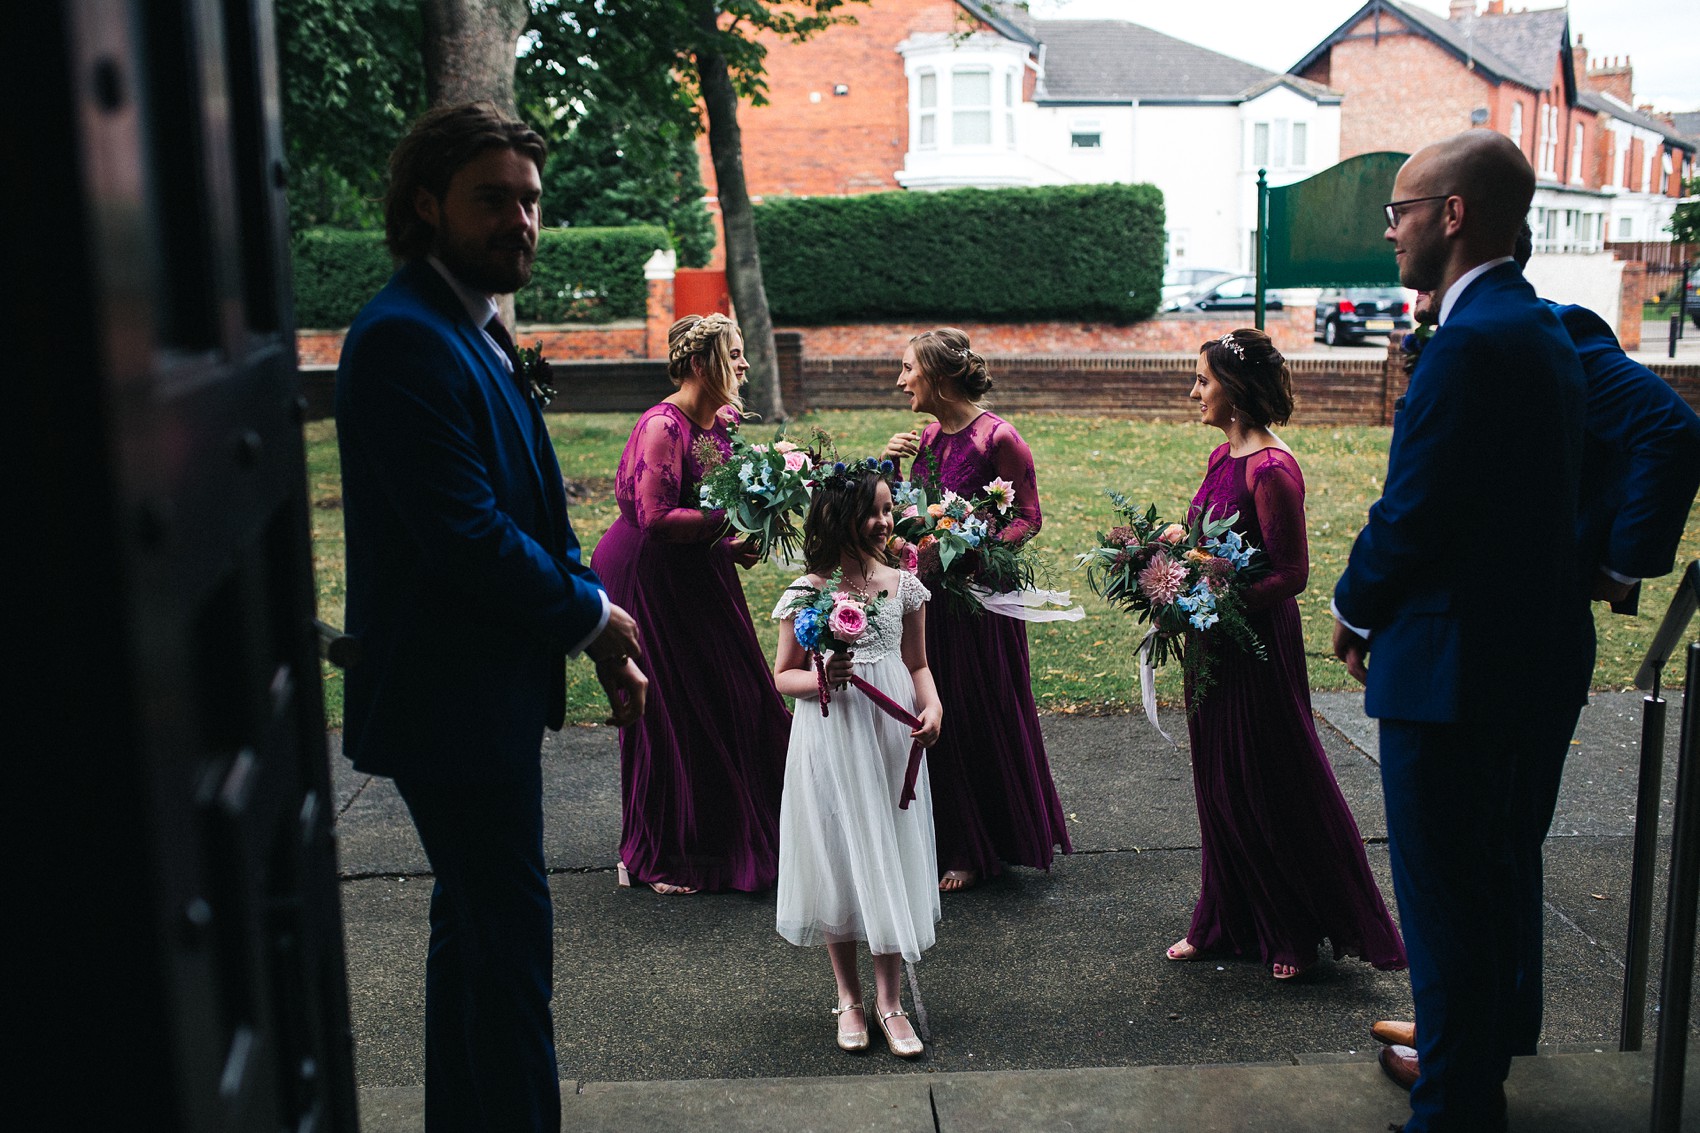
[902,1048]
[852,1041]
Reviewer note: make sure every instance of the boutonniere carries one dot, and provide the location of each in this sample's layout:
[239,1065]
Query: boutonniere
[537,373]
[1412,344]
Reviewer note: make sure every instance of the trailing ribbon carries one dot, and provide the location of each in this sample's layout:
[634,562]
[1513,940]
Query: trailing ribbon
[1028,605]
[1148,683]
[891,708]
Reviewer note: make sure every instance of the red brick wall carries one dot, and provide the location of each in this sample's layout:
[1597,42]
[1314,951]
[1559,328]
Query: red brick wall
[1632,293]
[1292,331]
[1402,92]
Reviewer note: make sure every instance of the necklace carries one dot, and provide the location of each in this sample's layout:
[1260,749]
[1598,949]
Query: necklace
[867,580]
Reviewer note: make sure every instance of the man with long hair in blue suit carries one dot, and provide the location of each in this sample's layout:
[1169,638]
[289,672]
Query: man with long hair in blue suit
[1467,586]
[467,595]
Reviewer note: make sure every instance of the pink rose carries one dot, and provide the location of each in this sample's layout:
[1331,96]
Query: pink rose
[784,446]
[795,461]
[1173,533]
[847,622]
[911,558]
[911,512]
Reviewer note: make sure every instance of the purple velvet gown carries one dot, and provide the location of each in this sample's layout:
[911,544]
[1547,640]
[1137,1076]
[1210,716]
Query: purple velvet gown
[1284,865]
[701,772]
[993,798]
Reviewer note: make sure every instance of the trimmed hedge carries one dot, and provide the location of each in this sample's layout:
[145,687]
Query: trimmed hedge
[1065,251]
[581,274]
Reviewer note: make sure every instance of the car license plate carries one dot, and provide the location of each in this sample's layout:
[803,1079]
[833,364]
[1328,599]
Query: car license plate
[1378,324]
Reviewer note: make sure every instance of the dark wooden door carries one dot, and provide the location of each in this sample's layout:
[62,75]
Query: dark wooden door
[174,906]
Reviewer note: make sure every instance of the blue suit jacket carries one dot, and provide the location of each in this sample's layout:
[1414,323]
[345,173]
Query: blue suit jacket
[1642,457]
[464,582]
[1467,573]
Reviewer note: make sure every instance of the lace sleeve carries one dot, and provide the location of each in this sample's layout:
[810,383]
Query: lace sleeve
[660,451]
[1013,461]
[912,592]
[782,610]
[1278,489]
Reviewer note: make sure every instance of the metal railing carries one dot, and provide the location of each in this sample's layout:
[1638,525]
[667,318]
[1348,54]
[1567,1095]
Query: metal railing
[1683,896]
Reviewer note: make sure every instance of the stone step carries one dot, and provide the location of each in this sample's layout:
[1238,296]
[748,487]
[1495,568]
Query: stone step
[1552,1093]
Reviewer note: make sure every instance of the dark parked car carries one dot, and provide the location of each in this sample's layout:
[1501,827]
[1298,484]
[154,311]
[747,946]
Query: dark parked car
[1691,301]
[1346,315]
[1235,293]
[1178,282]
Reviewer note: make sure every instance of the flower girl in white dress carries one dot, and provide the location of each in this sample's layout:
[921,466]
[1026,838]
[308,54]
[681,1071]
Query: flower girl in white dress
[855,863]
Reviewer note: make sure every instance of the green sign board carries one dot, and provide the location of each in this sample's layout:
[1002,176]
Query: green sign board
[1328,230]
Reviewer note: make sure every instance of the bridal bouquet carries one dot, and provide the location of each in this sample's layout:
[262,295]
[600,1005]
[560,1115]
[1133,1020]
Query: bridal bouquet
[763,488]
[1178,578]
[830,619]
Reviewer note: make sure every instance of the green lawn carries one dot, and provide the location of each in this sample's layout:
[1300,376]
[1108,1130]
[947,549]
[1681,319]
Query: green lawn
[1083,666]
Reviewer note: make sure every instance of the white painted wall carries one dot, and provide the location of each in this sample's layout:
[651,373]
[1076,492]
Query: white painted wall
[1593,281]
[1192,154]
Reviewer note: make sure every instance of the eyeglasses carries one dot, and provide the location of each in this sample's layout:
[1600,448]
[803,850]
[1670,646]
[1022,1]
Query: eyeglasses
[1391,208]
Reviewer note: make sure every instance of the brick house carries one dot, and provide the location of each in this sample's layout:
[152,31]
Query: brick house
[937,94]
[1605,171]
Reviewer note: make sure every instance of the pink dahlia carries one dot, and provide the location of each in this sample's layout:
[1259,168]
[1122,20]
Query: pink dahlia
[847,622]
[1163,580]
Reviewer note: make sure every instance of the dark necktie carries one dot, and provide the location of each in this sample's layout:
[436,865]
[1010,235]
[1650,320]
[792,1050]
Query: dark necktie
[497,331]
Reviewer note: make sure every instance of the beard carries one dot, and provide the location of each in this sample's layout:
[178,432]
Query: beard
[497,265]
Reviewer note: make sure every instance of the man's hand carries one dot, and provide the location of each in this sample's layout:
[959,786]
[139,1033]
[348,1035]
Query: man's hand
[1353,650]
[627,690]
[618,640]
[1608,589]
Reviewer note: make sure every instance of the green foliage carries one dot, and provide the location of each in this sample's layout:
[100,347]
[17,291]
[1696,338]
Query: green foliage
[581,274]
[336,271]
[1684,225]
[1068,251]
[590,275]
[351,79]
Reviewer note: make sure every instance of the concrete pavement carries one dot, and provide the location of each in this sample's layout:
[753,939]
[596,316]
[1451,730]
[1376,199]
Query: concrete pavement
[1048,999]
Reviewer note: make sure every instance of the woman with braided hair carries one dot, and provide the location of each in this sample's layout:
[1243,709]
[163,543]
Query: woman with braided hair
[701,772]
[993,798]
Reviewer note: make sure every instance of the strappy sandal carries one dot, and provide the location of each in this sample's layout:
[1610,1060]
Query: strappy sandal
[854,1041]
[902,1048]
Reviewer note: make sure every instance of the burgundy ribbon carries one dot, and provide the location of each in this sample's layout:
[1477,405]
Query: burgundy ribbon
[891,708]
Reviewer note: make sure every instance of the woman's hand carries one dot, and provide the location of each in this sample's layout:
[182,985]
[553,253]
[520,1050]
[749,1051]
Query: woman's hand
[745,550]
[931,717]
[839,667]
[902,446]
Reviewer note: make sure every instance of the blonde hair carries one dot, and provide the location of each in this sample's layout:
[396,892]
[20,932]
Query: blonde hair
[708,337]
[945,359]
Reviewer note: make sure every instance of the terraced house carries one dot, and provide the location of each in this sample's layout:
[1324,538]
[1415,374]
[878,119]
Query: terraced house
[939,94]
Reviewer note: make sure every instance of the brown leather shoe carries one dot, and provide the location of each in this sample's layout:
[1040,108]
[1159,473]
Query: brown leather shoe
[1400,1064]
[1392,1031]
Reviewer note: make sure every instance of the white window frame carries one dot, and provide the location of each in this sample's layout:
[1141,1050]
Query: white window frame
[1515,132]
[926,114]
[1577,134]
[960,110]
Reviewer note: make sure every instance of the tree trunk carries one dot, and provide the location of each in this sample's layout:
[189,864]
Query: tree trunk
[469,50]
[743,257]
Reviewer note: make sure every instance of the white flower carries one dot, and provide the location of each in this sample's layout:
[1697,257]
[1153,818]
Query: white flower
[1002,493]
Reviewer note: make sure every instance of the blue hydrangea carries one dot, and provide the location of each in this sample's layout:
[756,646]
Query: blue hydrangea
[808,628]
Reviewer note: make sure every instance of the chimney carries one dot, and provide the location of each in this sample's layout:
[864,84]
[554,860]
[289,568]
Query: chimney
[1461,9]
[1579,63]
[1496,8]
[1614,77]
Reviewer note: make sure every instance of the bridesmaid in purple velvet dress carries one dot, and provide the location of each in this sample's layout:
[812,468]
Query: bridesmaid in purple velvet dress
[993,799]
[701,772]
[1284,865]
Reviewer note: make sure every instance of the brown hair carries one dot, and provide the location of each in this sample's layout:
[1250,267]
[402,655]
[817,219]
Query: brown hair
[708,337]
[945,359]
[441,141]
[833,525]
[1254,373]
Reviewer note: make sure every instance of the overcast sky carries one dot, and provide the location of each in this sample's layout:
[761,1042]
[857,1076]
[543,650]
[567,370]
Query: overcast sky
[1661,37]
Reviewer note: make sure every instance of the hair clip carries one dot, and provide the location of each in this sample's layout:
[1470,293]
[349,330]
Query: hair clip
[1233,344]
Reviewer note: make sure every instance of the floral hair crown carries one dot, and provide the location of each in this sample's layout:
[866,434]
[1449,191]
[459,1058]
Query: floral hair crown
[1228,340]
[844,475]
